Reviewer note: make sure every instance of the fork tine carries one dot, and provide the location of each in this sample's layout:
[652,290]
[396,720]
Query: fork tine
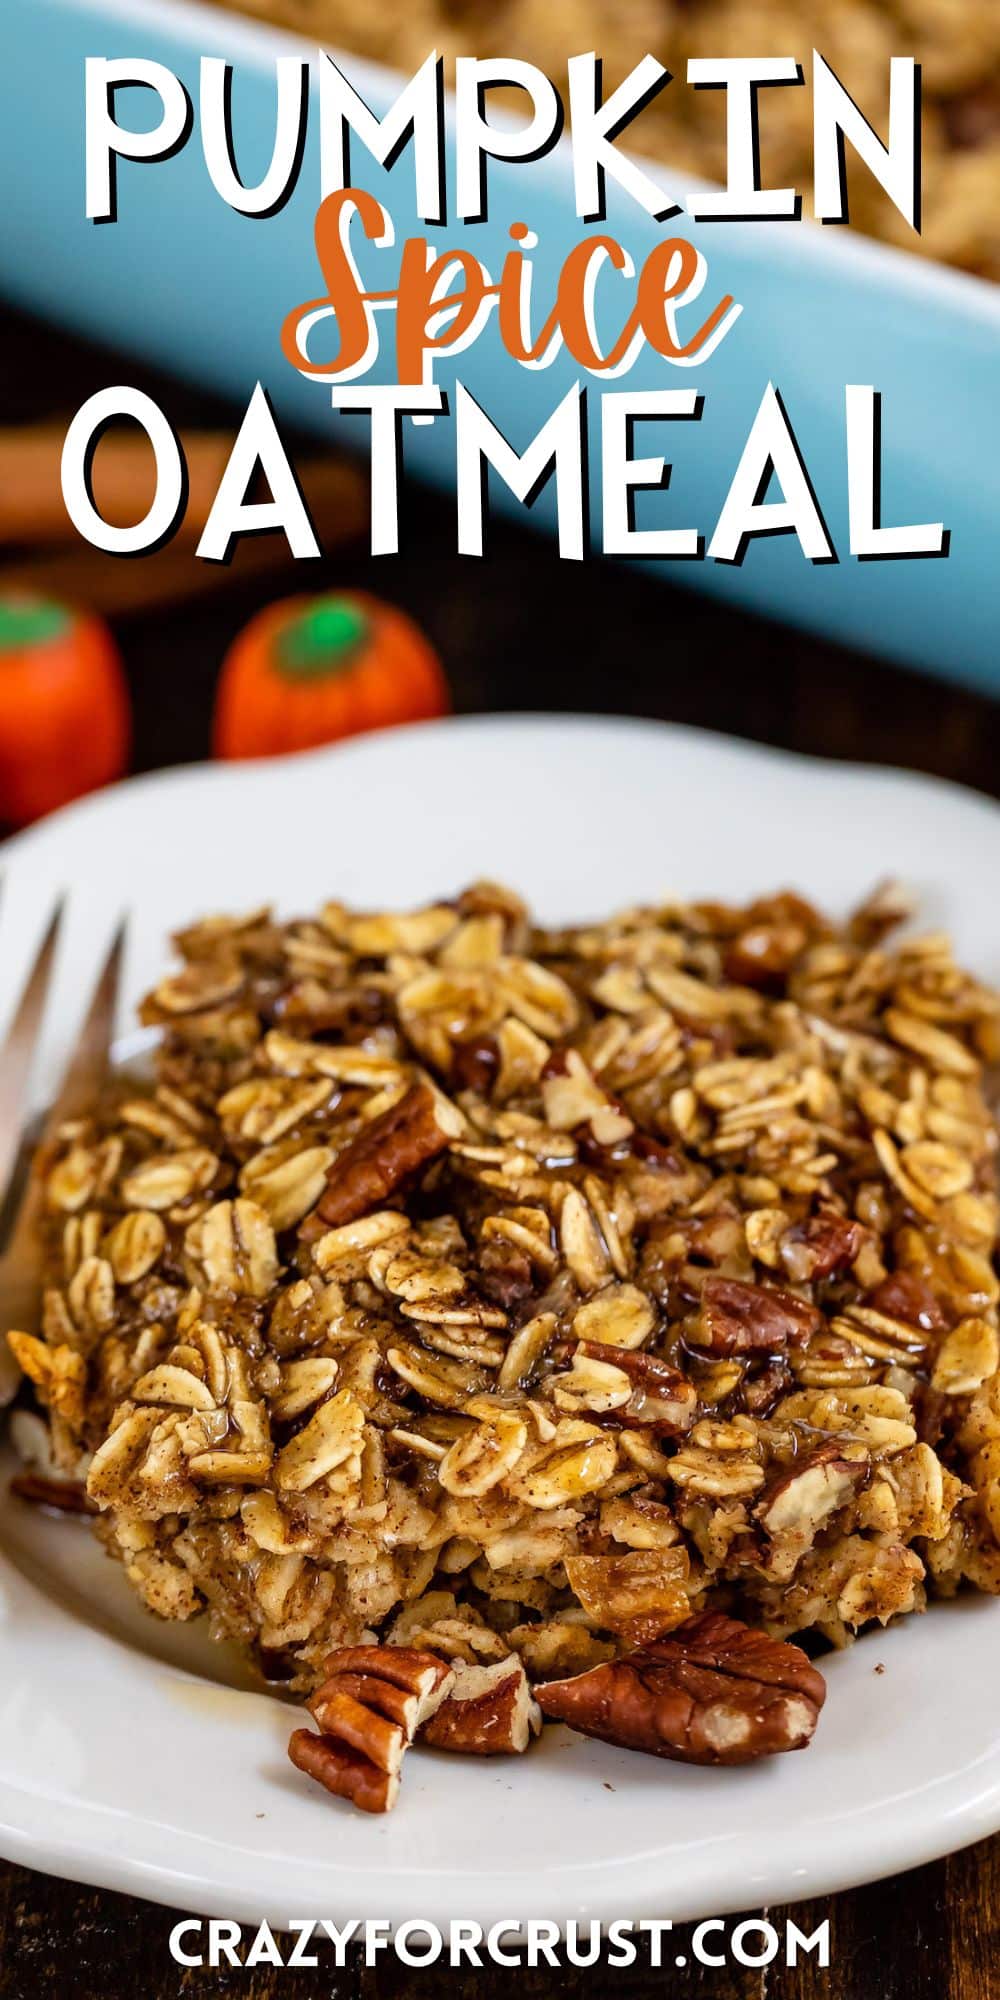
[20,1283]
[18,1048]
[87,1066]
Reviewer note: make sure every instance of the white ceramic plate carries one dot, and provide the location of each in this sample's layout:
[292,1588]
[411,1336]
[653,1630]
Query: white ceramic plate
[130,1755]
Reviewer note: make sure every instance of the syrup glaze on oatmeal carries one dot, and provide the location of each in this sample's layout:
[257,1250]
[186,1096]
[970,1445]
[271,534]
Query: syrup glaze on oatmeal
[488,1289]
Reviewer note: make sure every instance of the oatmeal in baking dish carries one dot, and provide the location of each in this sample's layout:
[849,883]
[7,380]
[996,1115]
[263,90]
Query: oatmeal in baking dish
[490,1307]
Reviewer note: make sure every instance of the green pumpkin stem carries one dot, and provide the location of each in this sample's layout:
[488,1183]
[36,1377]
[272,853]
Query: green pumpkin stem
[26,622]
[324,639]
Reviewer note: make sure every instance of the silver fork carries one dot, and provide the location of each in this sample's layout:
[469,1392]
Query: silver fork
[21,1196]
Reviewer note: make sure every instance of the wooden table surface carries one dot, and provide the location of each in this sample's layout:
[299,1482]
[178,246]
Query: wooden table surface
[521,630]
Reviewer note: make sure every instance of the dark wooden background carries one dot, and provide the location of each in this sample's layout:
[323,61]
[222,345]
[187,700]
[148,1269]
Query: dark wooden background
[523,631]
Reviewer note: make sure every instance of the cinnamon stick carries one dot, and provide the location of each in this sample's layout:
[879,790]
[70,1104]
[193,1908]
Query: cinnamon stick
[61,565]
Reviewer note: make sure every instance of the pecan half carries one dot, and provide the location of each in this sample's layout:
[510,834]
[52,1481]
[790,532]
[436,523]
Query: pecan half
[714,1692]
[383,1156]
[345,1773]
[347,1709]
[744,1319]
[369,1709]
[388,1671]
[489,1712]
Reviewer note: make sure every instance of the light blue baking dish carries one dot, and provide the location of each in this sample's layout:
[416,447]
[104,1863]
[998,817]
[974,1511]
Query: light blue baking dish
[182,281]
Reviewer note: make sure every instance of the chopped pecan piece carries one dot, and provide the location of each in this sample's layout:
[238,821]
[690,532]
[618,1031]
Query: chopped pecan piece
[743,1319]
[930,1408]
[639,1595]
[505,1274]
[764,951]
[383,1156]
[369,1710]
[675,1242]
[489,1712]
[889,904]
[714,1692]
[904,1295]
[67,1496]
[350,1014]
[475,1063]
[662,1398]
[802,1498]
[765,1382]
[763,955]
[833,1242]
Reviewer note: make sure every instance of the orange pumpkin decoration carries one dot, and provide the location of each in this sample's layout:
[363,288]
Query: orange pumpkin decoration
[65,722]
[311,669]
